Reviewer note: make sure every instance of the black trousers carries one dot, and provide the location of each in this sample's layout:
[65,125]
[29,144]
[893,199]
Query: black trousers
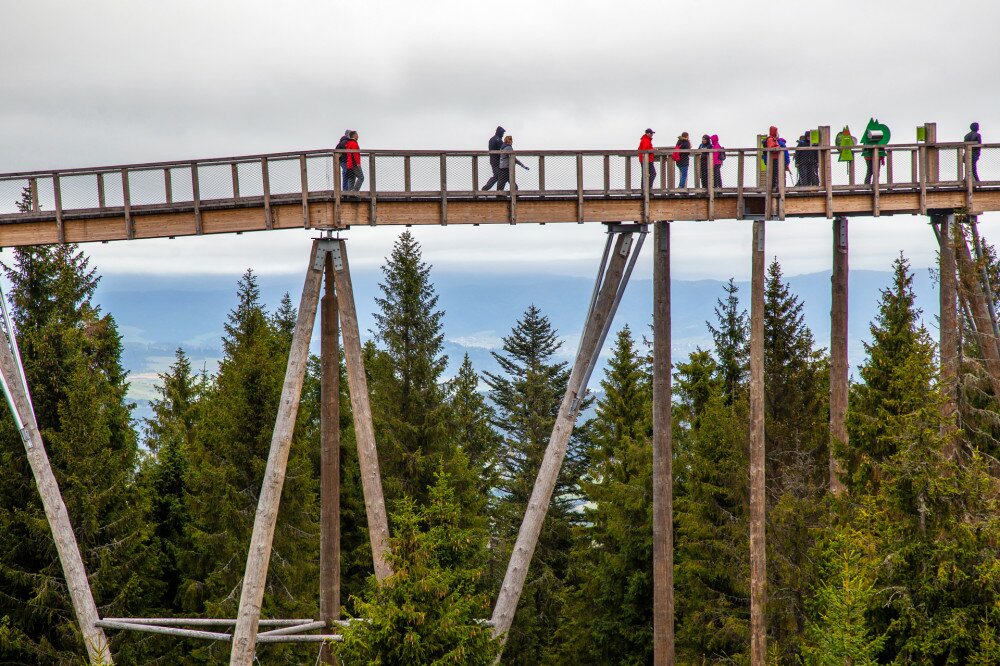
[497,172]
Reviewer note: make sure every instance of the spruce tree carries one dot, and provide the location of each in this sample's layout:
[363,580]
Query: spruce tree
[796,413]
[406,368]
[428,611]
[526,394]
[732,342]
[932,518]
[71,353]
[471,422]
[228,458]
[608,618]
[169,436]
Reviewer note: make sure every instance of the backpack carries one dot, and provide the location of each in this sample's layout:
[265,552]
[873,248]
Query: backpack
[341,145]
[722,153]
[676,155]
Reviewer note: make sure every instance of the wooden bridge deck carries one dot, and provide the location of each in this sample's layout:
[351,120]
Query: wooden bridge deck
[295,190]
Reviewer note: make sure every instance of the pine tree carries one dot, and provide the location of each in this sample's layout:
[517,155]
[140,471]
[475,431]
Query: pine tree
[427,612]
[471,423]
[228,458]
[732,342]
[608,618]
[408,400]
[71,353]
[526,395]
[695,382]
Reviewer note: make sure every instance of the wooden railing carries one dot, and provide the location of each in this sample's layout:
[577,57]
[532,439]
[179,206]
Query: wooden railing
[314,176]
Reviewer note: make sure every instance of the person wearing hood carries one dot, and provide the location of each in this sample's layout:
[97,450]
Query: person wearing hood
[646,154]
[718,155]
[706,144]
[495,146]
[975,138]
[341,145]
[682,159]
[806,162]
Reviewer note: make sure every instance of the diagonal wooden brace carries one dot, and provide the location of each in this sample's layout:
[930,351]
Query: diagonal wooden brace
[80,593]
[364,431]
[259,555]
[594,332]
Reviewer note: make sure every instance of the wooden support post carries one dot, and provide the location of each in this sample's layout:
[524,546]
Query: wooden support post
[663,520]
[196,197]
[406,174]
[444,190]
[665,167]
[768,178]
[337,187]
[67,549]
[57,195]
[607,173]
[710,186]
[888,168]
[364,431]
[266,179]
[922,151]
[826,167]
[372,206]
[127,204]
[876,168]
[541,173]
[671,176]
[781,167]
[628,174]
[949,322]
[740,174]
[329,474]
[235,171]
[304,177]
[33,189]
[969,182]
[914,165]
[101,200]
[838,351]
[758,549]
[511,175]
[541,495]
[259,554]
[645,191]
[933,153]
[579,187]
[168,186]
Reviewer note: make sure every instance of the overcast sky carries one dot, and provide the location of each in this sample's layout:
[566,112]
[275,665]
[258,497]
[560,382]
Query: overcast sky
[100,82]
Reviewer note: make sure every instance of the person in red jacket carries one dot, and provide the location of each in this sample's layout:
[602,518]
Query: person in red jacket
[646,154]
[355,176]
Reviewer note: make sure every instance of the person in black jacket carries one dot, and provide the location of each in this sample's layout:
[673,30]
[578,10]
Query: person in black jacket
[342,144]
[683,159]
[495,144]
[703,159]
[974,137]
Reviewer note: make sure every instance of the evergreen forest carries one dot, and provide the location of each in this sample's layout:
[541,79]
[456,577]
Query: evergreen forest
[901,568]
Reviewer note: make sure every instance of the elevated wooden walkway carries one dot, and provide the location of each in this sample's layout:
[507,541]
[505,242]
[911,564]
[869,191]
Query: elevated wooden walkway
[303,189]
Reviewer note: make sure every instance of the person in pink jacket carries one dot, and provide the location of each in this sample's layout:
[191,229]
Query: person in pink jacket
[718,155]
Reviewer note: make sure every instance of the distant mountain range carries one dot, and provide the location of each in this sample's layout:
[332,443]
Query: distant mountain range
[157,314]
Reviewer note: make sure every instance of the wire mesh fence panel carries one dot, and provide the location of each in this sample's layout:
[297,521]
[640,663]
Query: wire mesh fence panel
[728,169]
[144,187]
[843,162]
[114,195]
[251,178]
[527,178]
[285,176]
[425,173]
[181,187]
[46,194]
[390,173]
[319,173]
[947,165]
[988,165]
[485,172]
[897,162]
[560,172]
[215,181]
[12,192]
